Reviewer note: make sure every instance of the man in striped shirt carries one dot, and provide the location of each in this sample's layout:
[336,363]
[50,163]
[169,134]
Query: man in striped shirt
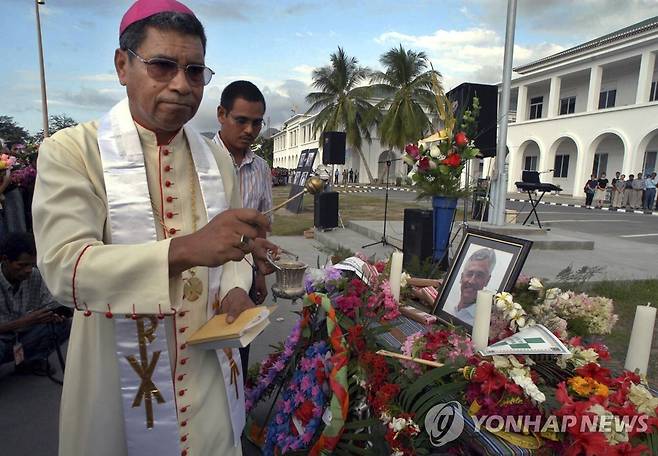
[240,114]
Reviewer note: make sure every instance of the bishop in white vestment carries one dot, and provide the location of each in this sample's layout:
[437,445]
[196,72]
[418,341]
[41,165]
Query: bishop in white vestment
[110,199]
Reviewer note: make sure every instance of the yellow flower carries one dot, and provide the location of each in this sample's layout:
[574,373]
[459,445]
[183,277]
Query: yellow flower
[587,386]
[580,386]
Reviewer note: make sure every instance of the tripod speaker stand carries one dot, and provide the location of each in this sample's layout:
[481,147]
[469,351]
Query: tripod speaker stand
[383,240]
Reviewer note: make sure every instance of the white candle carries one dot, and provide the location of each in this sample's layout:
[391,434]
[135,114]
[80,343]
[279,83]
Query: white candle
[396,273]
[480,334]
[639,347]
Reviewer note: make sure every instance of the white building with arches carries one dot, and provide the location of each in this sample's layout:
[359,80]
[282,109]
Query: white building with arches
[589,109]
[297,135]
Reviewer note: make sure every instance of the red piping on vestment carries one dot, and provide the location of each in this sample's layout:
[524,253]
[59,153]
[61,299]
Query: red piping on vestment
[75,271]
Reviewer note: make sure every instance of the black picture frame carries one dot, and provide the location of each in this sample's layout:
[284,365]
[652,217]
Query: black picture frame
[504,274]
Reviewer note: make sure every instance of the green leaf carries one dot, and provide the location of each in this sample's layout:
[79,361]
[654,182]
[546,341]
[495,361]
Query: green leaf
[425,380]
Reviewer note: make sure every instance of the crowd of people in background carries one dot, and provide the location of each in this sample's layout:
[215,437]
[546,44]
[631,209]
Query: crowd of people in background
[348,176]
[637,192]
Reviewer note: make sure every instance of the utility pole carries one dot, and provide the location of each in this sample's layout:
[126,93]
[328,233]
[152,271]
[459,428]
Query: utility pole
[44,101]
[501,181]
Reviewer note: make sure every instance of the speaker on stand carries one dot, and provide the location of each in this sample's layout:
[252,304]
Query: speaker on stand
[326,214]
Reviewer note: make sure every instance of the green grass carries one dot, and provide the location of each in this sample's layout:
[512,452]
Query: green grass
[627,295]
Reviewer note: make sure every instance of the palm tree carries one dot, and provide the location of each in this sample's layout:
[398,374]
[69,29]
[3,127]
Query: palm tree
[406,86]
[343,102]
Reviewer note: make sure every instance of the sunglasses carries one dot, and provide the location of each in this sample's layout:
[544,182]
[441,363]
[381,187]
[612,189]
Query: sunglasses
[164,70]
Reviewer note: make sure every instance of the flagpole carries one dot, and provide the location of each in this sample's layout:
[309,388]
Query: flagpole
[501,181]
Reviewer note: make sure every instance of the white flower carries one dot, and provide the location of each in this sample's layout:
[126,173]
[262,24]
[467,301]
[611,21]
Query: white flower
[435,152]
[643,400]
[397,453]
[398,424]
[504,300]
[403,279]
[535,284]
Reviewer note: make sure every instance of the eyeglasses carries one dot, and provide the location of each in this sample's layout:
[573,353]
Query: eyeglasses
[244,121]
[164,70]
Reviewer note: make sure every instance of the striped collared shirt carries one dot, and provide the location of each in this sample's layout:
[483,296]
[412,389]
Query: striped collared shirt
[255,180]
[30,295]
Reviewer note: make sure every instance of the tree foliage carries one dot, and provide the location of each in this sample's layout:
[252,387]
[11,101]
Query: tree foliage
[55,123]
[408,98]
[343,101]
[11,132]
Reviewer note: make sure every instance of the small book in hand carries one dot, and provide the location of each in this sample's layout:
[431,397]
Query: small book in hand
[217,333]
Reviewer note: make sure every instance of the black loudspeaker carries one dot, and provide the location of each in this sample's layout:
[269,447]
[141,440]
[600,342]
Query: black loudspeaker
[333,148]
[487,122]
[417,238]
[326,210]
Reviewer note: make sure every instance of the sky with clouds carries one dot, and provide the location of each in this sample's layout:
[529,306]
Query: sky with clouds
[277,44]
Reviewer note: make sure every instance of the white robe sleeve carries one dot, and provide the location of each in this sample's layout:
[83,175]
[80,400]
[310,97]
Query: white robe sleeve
[70,212]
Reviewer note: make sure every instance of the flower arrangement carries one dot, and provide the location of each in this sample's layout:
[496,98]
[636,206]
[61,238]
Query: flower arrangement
[337,394]
[299,412]
[437,168]
[7,161]
[558,310]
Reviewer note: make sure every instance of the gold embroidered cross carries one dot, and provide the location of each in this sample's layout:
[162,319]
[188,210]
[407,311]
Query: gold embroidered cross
[145,367]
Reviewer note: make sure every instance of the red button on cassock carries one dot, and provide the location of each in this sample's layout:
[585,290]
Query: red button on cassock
[170,215]
[183,409]
[183,361]
[180,378]
[183,423]
[170,199]
[165,152]
[184,438]
[183,453]
[172,231]
[167,183]
[167,168]
[181,393]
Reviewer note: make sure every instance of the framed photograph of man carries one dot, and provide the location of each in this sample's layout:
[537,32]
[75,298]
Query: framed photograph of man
[484,261]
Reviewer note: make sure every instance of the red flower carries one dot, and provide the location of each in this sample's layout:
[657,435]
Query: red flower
[424,164]
[600,374]
[305,412]
[355,338]
[412,150]
[452,160]
[461,139]
[358,287]
[491,379]
[626,449]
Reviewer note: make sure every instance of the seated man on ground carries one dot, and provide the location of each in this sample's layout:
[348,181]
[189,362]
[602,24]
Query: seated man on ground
[31,321]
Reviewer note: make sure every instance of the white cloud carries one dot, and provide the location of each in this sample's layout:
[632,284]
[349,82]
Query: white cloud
[104,77]
[473,55]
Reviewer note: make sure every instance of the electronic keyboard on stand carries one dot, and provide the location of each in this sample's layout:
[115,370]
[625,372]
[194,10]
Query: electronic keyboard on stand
[530,184]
